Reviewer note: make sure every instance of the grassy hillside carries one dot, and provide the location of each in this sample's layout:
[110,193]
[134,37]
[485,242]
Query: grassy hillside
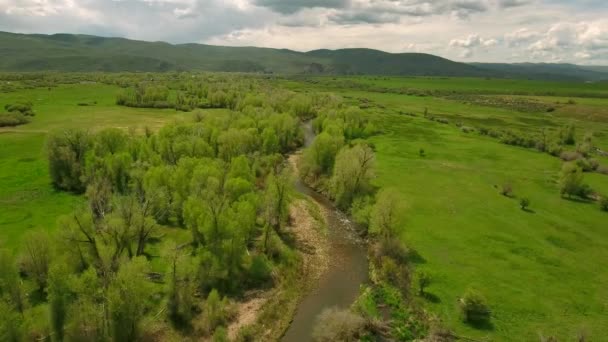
[68,52]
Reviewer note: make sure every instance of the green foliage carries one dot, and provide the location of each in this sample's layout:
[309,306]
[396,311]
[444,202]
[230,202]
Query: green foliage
[11,324]
[58,297]
[571,181]
[66,153]
[524,203]
[352,174]
[474,308]
[386,215]
[126,315]
[424,279]
[36,258]
[604,203]
[567,134]
[11,291]
[12,119]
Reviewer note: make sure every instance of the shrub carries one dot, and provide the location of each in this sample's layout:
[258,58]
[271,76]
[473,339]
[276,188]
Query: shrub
[13,119]
[66,153]
[524,203]
[474,307]
[424,280]
[571,180]
[506,189]
[604,203]
[338,325]
[588,165]
[24,108]
[570,156]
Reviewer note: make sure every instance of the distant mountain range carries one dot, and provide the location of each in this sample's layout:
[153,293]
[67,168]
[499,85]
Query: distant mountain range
[70,52]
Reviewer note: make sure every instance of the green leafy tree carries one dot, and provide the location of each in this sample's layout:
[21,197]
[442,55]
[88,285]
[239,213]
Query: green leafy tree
[58,298]
[385,215]
[474,307]
[570,180]
[126,315]
[66,153]
[352,173]
[10,284]
[524,203]
[37,257]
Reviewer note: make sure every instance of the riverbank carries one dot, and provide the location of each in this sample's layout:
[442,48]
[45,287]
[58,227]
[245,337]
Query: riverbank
[267,315]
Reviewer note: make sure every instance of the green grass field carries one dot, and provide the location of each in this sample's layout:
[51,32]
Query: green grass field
[542,271]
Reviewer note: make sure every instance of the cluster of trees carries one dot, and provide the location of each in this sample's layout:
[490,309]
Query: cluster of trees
[222,180]
[18,113]
[187,92]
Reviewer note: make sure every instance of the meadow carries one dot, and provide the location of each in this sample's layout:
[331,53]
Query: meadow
[540,269]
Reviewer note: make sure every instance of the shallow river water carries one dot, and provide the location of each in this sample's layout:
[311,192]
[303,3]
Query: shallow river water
[339,285]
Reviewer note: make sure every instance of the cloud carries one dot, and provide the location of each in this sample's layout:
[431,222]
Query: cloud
[471,44]
[293,6]
[512,3]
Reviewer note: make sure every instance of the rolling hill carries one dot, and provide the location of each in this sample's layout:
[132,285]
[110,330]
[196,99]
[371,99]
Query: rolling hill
[70,52]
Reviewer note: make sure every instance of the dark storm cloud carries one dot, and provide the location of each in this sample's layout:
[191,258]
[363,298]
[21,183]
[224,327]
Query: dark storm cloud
[293,6]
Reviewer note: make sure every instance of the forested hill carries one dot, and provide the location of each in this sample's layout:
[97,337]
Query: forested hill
[68,52]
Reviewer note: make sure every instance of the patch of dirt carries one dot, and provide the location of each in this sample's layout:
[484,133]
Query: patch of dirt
[311,241]
[246,314]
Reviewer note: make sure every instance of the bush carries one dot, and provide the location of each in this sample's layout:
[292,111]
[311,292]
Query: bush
[588,165]
[474,307]
[424,280]
[24,108]
[13,119]
[604,203]
[570,156]
[506,189]
[524,203]
[338,325]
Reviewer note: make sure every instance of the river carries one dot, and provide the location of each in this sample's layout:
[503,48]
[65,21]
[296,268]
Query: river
[339,285]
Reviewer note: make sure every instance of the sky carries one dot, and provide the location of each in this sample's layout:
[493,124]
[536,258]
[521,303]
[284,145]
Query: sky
[551,31]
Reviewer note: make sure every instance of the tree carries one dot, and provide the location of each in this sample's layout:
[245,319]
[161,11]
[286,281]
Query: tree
[58,298]
[127,299]
[181,285]
[424,280]
[474,307]
[66,153]
[571,180]
[384,220]
[10,288]
[524,203]
[276,198]
[352,173]
[604,203]
[11,324]
[567,134]
[37,257]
